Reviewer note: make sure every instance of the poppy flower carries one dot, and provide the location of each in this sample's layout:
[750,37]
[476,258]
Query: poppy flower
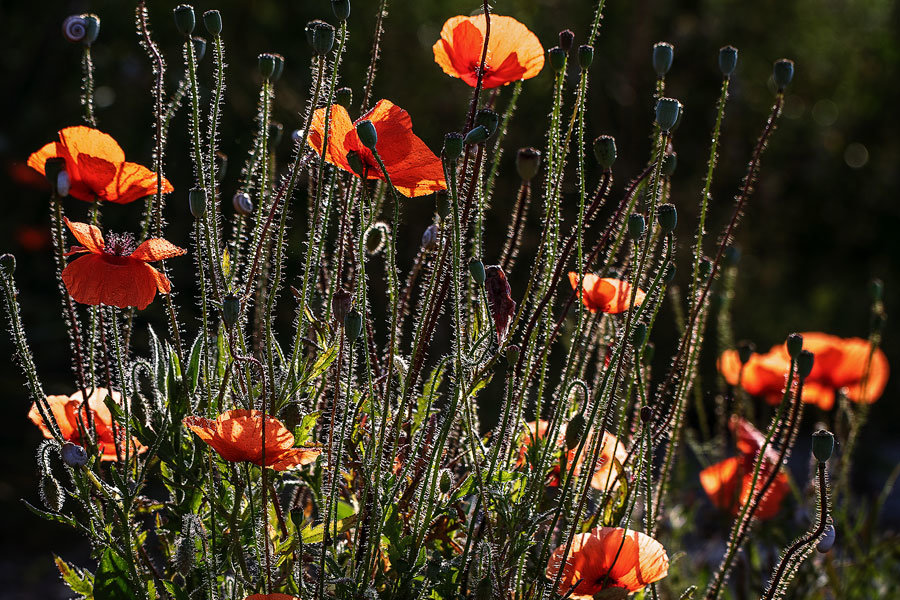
[611,560]
[606,294]
[414,169]
[114,272]
[97,168]
[68,410]
[237,436]
[513,53]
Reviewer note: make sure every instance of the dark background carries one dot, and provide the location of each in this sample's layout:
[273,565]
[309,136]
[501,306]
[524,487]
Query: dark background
[823,222]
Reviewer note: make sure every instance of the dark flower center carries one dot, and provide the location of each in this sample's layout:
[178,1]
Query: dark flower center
[119,244]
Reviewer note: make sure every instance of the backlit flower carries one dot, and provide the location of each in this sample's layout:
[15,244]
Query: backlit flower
[68,411]
[514,52]
[606,294]
[97,168]
[113,271]
[608,559]
[414,169]
[237,436]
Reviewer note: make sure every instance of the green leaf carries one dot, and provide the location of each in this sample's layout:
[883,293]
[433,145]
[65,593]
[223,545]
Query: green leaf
[111,581]
[80,581]
[322,363]
[346,518]
[303,431]
[221,354]
[193,371]
[429,392]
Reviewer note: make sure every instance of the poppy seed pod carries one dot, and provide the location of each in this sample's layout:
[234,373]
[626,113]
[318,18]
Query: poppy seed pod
[566,39]
[53,167]
[356,163]
[353,324]
[476,268]
[476,135]
[635,225]
[667,216]
[487,119]
[528,163]
[320,36]
[638,335]
[365,129]
[341,9]
[8,264]
[242,204]
[663,52]
[199,47]
[512,355]
[557,58]
[585,56]
[827,542]
[605,151]
[73,455]
[876,290]
[794,344]
[669,275]
[81,28]
[63,184]
[341,303]
[197,202]
[670,161]
[822,445]
[728,56]
[732,256]
[185,20]
[646,414]
[783,73]
[445,481]
[453,146]
[667,111]
[430,238]
[266,65]
[745,350]
[805,362]
[343,96]
[231,310]
[574,431]
[212,20]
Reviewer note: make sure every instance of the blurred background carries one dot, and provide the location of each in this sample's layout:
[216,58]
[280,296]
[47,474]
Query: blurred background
[824,219]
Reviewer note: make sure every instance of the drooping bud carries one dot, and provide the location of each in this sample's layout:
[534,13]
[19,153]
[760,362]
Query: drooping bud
[476,135]
[745,350]
[8,264]
[670,161]
[557,58]
[827,542]
[185,20]
[528,163]
[783,73]
[805,362]
[267,65]
[476,268]
[794,344]
[638,335]
[231,310]
[728,57]
[512,355]
[667,111]
[73,455]
[662,57]
[575,431]
[430,238]
[81,28]
[487,119]
[445,481]
[341,303]
[453,146]
[343,96]
[341,9]
[320,36]
[566,39]
[62,184]
[212,19]
[605,151]
[197,202]
[51,493]
[822,445]
[635,225]
[667,217]
[353,324]
[356,163]
[585,56]
[242,203]
[365,129]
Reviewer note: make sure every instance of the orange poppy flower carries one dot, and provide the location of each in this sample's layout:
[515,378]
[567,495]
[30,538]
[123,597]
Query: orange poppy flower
[67,410]
[609,559]
[114,272]
[514,52]
[414,169]
[237,436]
[97,168]
[606,294]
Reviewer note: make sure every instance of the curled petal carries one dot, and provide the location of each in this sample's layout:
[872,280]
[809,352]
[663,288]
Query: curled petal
[157,249]
[89,236]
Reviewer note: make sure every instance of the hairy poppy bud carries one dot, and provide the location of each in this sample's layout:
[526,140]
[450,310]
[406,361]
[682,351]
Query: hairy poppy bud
[487,119]
[667,111]
[184,555]
[476,268]
[51,493]
[794,344]
[783,73]
[827,542]
[638,335]
[476,135]
[528,163]
[73,455]
[822,445]
[445,481]
[231,310]
[585,56]
[341,9]
[343,96]
[566,39]
[375,238]
[662,57]
[8,264]
[728,56]
[197,202]
[605,151]
[667,216]
[212,19]
[512,355]
[442,204]
[320,36]
[805,361]
[670,161]
[646,414]
[62,184]
[267,65]
[649,351]
[557,58]
[876,290]
[635,225]
[184,18]
[430,238]
[706,267]
[199,45]
[341,303]
[353,324]
[298,519]
[575,431]
[81,28]
[243,204]
[732,256]
[356,163]
[745,350]
[669,275]
[367,134]
[453,146]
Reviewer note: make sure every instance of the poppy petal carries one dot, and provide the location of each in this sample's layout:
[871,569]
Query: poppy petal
[131,182]
[67,427]
[89,236]
[340,131]
[38,160]
[720,482]
[81,140]
[157,249]
[113,280]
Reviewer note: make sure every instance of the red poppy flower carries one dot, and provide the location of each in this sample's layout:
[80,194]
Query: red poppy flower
[97,168]
[113,271]
[67,411]
[414,169]
[237,436]
[606,294]
[609,559]
[514,52]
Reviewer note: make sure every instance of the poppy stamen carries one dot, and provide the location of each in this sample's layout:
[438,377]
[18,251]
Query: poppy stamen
[119,244]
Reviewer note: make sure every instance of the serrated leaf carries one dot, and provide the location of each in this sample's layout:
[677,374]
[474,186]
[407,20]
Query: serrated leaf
[111,581]
[323,361]
[303,431]
[80,581]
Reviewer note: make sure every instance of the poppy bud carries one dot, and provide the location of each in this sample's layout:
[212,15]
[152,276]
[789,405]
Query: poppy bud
[212,19]
[566,40]
[298,519]
[62,184]
[197,202]
[635,225]
[341,303]
[638,335]
[356,163]
[8,264]
[646,414]
[453,146]
[605,151]
[52,168]
[662,57]
[574,431]
[732,256]
[445,481]
[794,344]
[705,268]
[649,351]
[488,119]
[242,203]
[476,268]
[343,96]
[367,134]
[476,135]
[670,161]
[728,56]
[782,73]
[276,131]
[805,361]
[51,493]
[585,56]
[442,204]
[341,9]
[267,65]
[876,290]
[745,350]
[822,445]
[512,355]
[183,557]
[74,455]
[353,324]
[199,47]
[231,310]
[667,111]
[320,36]
[430,238]
[557,58]
[827,542]
[528,163]
[375,238]
[667,216]
[184,19]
